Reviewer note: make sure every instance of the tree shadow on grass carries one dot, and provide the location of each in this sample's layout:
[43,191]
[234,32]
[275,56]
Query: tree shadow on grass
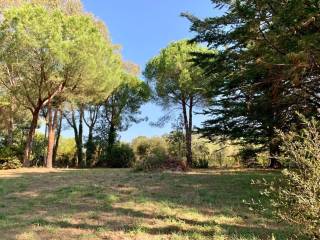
[83,191]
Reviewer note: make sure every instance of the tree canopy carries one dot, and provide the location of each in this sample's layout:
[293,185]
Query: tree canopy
[177,82]
[46,53]
[265,71]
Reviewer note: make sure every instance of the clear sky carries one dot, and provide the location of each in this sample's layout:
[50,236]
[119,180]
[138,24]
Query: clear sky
[143,28]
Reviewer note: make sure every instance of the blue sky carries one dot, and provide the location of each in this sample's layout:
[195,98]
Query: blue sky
[143,28]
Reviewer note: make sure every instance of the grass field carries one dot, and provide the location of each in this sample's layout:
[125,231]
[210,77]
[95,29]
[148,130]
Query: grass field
[122,204]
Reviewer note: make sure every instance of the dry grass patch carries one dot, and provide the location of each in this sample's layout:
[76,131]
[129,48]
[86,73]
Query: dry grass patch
[122,204]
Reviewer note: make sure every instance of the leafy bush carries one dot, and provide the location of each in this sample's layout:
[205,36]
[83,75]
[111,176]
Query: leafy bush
[39,149]
[121,156]
[201,155]
[200,163]
[151,153]
[7,152]
[248,156]
[296,195]
[66,153]
[176,145]
[10,163]
[8,158]
[263,159]
[155,159]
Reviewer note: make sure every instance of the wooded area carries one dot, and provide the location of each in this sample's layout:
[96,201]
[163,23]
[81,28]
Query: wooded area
[251,73]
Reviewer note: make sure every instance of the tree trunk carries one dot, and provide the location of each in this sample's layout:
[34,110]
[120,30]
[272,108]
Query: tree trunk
[112,135]
[80,140]
[12,110]
[56,145]
[10,130]
[52,119]
[30,137]
[188,133]
[11,124]
[274,150]
[78,134]
[90,147]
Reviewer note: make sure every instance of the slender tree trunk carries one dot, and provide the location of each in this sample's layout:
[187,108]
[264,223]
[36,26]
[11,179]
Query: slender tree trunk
[30,137]
[90,147]
[188,133]
[56,145]
[10,130]
[52,119]
[45,115]
[80,140]
[112,135]
[90,144]
[78,135]
[11,123]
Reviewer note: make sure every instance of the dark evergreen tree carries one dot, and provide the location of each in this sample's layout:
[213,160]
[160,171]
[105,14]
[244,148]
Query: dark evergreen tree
[266,69]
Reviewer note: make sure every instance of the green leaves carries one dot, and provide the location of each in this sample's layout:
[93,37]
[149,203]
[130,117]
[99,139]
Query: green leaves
[267,67]
[173,74]
[48,52]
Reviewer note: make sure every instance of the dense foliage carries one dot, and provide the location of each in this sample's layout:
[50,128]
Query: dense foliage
[266,69]
[151,153]
[298,199]
[120,156]
[295,196]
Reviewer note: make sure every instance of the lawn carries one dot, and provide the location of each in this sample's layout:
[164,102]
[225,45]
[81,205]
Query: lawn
[122,204]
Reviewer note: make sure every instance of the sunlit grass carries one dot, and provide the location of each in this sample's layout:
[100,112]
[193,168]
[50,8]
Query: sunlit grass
[122,204]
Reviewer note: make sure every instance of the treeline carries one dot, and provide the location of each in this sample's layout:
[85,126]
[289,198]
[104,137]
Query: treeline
[259,69]
[144,153]
[58,64]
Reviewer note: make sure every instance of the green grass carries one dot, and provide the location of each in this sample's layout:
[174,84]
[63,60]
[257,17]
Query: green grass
[122,204]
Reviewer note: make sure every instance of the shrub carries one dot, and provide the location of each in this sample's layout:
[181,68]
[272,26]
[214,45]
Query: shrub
[66,153]
[7,152]
[176,145]
[39,149]
[10,163]
[201,155]
[200,163]
[151,153]
[248,156]
[121,156]
[296,195]
[155,159]
[8,158]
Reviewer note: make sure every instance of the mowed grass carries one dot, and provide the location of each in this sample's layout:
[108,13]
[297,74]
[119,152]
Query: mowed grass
[121,204]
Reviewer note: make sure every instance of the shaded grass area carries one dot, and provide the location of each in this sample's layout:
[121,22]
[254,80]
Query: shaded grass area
[122,204]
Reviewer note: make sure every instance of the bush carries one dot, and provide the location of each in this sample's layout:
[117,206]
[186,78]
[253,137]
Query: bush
[296,195]
[10,163]
[66,153]
[39,149]
[200,163]
[155,159]
[151,153]
[8,158]
[201,155]
[248,156]
[176,145]
[121,156]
